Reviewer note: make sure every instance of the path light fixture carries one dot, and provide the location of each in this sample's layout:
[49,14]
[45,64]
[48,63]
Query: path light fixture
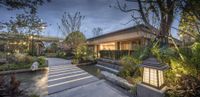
[152,79]
[153,73]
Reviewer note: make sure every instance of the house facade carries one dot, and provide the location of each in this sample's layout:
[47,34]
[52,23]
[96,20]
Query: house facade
[125,39]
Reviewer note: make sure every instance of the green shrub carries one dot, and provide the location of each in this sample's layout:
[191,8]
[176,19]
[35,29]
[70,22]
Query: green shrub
[82,54]
[41,60]
[61,54]
[23,58]
[50,54]
[75,61]
[2,55]
[196,55]
[130,68]
[14,66]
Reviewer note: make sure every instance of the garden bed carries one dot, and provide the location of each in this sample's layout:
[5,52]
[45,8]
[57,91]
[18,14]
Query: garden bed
[7,67]
[22,71]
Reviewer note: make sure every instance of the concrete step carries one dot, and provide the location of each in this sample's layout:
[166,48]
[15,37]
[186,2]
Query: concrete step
[63,77]
[65,74]
[114,66]
[103,67]
[63,71]
[70,83]
[66,78]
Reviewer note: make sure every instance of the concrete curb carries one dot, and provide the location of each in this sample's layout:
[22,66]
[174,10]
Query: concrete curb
[22,70]
[85,64]
[116,80]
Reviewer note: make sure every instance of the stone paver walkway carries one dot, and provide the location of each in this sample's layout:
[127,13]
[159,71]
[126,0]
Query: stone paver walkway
[67,80]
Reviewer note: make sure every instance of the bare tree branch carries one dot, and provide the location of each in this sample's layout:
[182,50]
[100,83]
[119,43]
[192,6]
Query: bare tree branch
[70,23]
[124,7]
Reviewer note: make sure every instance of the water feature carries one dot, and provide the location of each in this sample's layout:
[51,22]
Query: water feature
[92,69]
[34,82]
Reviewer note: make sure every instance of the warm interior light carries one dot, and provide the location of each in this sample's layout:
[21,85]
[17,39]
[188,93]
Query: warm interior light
[107,46]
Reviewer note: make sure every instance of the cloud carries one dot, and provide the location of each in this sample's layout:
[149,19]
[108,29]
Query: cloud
[97,13]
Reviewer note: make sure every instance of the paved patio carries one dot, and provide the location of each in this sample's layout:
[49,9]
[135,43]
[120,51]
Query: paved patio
[67,80]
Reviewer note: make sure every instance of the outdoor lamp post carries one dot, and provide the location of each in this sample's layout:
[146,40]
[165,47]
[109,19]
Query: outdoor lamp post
[152,79]
[153,73]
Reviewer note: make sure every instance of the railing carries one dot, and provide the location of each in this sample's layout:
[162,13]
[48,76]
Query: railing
[115,54]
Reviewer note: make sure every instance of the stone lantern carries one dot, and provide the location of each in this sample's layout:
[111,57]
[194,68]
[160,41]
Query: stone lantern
[152,79]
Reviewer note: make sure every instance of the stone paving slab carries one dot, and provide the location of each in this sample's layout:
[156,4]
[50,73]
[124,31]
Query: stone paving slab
[97,89]
[63,75]
[67,80]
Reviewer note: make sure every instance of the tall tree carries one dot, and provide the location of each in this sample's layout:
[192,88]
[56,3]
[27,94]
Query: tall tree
[147,11]
[75,39]
[97,31]
[25,24]
[190,18]
[29,6]
[70,23]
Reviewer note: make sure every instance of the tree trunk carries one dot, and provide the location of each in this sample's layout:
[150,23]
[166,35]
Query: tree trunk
[167,12]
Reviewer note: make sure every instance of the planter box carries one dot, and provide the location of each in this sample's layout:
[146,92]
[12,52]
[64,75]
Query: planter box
[117,80]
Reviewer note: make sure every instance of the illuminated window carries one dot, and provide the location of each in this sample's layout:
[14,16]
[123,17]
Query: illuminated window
[125,46]
[107,46]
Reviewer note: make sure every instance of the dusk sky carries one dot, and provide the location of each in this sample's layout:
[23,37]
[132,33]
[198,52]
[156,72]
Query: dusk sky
[97,14]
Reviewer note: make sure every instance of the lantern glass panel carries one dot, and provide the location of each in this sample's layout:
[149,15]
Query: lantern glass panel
[146,75]
[160,74]
[153,77]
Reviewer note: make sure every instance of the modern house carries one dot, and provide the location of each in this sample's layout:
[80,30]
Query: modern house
[127,39]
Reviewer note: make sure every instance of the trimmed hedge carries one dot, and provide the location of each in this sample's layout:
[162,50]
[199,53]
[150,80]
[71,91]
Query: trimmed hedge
[115,54]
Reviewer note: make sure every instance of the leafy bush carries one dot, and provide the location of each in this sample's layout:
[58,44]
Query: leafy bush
[163,54]
[23,58]
[41,60]
[61,54]
[196,55]
[130,68]
[2,55]
[75,39]
[14,66]
[83,54]
[75,61]
[50,54]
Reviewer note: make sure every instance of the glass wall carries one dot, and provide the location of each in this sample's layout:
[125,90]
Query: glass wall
[108,46]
